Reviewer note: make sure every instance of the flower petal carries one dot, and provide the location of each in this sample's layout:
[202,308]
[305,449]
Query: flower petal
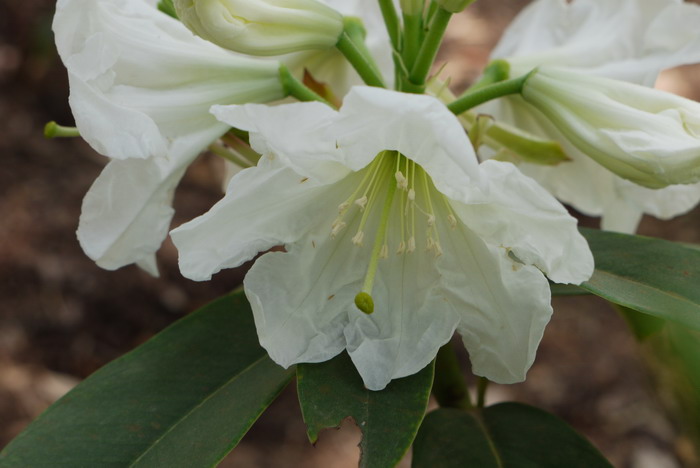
[127,211]
[139,79]
[264,206]
[504,305]
[411,320]
[622,39]
[522,216]
[292,133]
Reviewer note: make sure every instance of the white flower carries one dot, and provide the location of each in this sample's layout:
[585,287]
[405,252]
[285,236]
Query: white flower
[629,40]
[641,134]
[141,88]
[383,204]
[262,27]
[139,79]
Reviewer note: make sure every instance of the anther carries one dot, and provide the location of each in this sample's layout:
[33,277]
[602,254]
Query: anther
[411,245]
[411,194]
[384,253]
[401,249]
[358,238]
[401,181]
[452,220]
[343,206]
[336,227]
[361,202]
[431,220]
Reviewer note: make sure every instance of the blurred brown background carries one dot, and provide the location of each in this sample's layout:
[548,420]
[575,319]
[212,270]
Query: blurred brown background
[61,317]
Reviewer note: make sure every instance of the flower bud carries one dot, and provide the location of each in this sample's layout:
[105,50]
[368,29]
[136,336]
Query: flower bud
[454,6]
[262,27]
[641,134]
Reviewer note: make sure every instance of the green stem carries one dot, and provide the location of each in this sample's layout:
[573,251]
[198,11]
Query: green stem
[487,93]
[449,388]
[53,130]
[351,44]
[391,19]
[496,71]
[481,392]
[296,88]
[413,30]
[430,46]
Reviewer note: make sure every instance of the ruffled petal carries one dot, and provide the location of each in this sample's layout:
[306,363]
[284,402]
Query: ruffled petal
[621,39]
[411,320]
[264,206]
[127,211]
[291,133]
[139,79]
[521,216]
[504,305]
[301,298]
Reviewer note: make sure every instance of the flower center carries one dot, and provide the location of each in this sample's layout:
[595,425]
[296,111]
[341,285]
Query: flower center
[391,182]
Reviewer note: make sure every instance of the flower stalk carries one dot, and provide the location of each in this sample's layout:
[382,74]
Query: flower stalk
[296,88]
[487,93]
[428,51]
[351,45]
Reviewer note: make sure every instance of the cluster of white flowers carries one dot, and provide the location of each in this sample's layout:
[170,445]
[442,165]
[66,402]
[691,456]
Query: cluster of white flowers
[395,236]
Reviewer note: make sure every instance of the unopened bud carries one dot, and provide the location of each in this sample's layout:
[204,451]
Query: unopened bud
[262,27]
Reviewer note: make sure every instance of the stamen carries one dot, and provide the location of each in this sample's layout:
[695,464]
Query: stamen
[358,238]
[384,253]
[336,227]
[452,220]
[401,181]
[361,202]
[411,245]
[402,248]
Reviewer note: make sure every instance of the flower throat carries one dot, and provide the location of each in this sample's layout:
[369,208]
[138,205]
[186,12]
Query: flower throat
[391,182]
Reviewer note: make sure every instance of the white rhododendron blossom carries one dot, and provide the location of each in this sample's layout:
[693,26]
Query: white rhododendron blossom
[141,88]
[395,237]
[262,27]
[620,39]
[641,134]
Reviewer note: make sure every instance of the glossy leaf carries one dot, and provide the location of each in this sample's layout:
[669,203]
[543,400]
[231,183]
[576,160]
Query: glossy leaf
[183,399]
[653,276]
[389,419]
[507,435]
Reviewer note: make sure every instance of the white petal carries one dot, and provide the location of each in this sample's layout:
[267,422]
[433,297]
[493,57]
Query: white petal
[504,305]
[264,206]
[419,126]
[301,298]
[622,39]
[127,211]
[522,216]
[411,320]
[140,79]
[291,133]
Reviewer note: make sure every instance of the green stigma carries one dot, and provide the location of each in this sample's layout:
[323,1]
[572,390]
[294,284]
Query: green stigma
[364,302]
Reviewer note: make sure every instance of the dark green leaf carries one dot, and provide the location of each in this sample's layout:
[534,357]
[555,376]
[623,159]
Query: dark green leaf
[183,399]
[567,290]
[389,419]
[642,325]
[653,276]
[508,435]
